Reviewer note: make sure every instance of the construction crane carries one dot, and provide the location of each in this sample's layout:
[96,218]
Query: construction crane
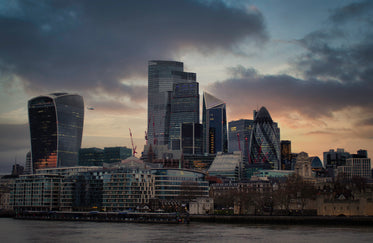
[133,147]
[239,142]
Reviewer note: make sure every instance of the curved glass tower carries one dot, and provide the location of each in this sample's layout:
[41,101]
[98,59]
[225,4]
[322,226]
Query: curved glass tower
[265,146]
[56,127]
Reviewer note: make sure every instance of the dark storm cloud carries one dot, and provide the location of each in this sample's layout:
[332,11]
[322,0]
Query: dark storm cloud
[356,10]
[335,70]
[85,45]
[14,137]
[312,98]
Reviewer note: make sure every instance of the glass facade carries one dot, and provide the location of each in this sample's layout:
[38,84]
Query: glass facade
[184,108]
[116,154]
[160,86]
[91,157]
[173,98]
[265,141]
[126,189]
[286,162]
[179,184]
[191,134]
[228,166]
[56,126]
[214,125]
[239,136]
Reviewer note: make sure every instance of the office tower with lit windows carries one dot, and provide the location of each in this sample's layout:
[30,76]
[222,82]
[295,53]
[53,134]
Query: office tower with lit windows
[239,136]
[173,98]
[214,125]
[56,127]
[286,155]
[265,147]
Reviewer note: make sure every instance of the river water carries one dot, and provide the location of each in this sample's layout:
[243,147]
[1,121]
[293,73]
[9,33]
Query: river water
[12,230]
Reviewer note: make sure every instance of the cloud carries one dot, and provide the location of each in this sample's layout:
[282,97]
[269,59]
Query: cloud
[356,10]
[89,45]
[312,98]
[334,73]
[14,137]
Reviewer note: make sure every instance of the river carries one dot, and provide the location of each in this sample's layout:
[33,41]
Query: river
[12,230]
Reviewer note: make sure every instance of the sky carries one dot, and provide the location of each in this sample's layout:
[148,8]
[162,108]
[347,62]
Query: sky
[310,63]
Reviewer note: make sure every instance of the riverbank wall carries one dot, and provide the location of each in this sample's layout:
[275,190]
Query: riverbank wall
[284,220]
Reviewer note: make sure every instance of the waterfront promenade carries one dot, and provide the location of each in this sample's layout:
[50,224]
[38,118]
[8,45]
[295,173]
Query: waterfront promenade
[176,218]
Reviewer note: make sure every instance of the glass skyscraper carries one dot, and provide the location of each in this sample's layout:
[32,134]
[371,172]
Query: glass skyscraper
[265,147]
[173,99]
[239,136]
[214,125]
[56,126]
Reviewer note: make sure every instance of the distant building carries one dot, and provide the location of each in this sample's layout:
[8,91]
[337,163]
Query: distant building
[227,166]
[303,166]
[333,159]
[239,137]
[67,171]
[360,167]
[180,184]
[17,170]
[191,138]
[265,147]
[28,166]
[214,125]
[116,154]
[91,157]
[286,155]
[316,163]
[360,154]
[56,126]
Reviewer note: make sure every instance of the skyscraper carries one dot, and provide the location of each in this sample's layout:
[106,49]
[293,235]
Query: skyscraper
[265,141]
[239,136]
[184,106]
[56,126]
[214,125]
[286,155]
[173,99]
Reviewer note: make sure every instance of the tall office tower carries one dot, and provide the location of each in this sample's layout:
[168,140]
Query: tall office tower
[265,141]
[191,138]
[56,126]
[167,81]
[184,105]
[286,155]
[214,125]
[239,136]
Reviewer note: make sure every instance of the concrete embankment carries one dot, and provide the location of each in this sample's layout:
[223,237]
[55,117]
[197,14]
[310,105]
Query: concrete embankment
[289,220]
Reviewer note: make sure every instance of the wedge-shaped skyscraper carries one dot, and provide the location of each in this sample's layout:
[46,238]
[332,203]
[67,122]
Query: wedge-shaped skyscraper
[56,126]
[265,146]
[214,125]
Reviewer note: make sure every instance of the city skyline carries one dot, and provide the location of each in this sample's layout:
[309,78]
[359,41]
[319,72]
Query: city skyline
[307,62]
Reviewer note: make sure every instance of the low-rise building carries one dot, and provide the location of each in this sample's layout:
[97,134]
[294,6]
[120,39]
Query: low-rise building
[202,205]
